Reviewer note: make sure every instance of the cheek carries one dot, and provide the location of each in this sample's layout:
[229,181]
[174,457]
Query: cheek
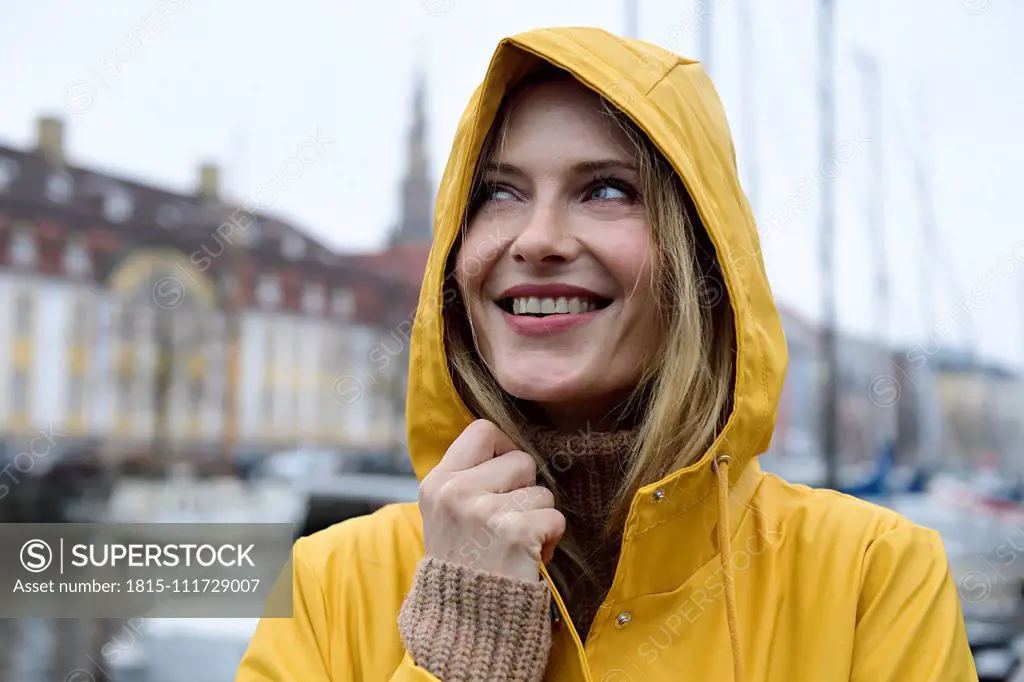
[473,263]
[629,254]
[632,259]
[476,259]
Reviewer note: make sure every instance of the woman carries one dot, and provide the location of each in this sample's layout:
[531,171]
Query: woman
[595,366]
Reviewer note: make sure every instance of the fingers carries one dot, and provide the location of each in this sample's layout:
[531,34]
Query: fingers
[478,443]
[525,499]
[528,521]
[505,473]
[550,523]
[483,484]
[532,520]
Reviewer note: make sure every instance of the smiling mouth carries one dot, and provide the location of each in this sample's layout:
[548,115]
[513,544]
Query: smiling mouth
[534,306]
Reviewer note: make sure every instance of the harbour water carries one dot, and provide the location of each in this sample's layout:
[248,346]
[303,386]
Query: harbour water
[145,650]
[151,649]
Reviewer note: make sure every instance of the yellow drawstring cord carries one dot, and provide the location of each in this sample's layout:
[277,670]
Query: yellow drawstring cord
[725,546]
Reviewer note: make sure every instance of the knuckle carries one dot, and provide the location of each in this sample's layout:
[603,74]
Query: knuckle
[501,519]
[528,463]
[480,509]
[520,498]
[473,433]
[520,533]
[524,464]
[545,497]
[428,488]
[452,492]
[480,427]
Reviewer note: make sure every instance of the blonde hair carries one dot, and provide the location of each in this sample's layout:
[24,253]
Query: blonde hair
[684,397]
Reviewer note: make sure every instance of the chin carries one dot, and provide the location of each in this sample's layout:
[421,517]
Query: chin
[569,392]
[537,380]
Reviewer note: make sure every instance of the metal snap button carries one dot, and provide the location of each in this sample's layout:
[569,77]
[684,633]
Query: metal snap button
[658,495]
[623,619]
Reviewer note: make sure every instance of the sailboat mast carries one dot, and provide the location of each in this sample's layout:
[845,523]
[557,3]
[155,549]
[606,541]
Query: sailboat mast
[826,103]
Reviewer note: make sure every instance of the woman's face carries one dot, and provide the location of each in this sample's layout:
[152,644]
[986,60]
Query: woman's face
[556,267]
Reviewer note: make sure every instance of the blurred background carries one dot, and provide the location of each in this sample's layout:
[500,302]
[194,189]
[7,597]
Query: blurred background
[214,218]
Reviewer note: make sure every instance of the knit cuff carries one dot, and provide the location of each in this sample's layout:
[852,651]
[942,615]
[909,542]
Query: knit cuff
[460,623]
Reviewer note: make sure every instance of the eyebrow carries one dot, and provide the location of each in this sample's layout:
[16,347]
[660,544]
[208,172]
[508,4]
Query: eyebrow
[580,167]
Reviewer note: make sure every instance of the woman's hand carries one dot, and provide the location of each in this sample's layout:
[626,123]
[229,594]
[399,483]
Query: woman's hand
[482,507]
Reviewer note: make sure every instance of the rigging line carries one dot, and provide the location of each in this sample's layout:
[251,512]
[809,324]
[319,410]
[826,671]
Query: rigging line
[912,145]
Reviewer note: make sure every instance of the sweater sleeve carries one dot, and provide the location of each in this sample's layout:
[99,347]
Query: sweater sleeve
[459,623]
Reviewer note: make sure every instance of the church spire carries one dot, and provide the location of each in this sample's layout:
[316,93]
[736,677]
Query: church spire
[416,220]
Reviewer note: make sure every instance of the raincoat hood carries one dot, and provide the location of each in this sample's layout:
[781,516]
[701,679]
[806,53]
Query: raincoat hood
[725,572]
[674,102]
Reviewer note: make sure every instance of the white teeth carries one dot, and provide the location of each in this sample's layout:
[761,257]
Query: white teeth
[527,305]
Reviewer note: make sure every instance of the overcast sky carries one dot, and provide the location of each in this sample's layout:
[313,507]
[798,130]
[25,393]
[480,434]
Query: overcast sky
[151,89]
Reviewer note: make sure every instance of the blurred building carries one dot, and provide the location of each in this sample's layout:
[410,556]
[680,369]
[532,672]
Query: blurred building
[883,399]
[158,320]
[981,408]
[797,420]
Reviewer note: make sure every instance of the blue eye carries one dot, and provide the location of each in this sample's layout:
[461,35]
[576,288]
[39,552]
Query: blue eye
[497,193]
[606,192]
[610,189]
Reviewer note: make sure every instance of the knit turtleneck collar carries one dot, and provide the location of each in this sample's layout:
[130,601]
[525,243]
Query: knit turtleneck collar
[588,468]
[583,443]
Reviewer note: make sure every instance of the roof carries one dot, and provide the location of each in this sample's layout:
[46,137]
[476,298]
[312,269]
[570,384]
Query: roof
[28,177]
[403,262]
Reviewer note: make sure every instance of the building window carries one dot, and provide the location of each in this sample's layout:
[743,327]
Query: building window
[313,298]
[76,259]
[343,304]
[125,383]
[293,247]
[341,354]
[59,187]
[117,204]
[195,393]
[250,232]
[215,328]
[23,313]
[24,250]
[83,322]
[187,331]
[76,393]
[229,287]
[128,324]
[268,291]
[9,172]
[19,391]
[169,216]
[267,409]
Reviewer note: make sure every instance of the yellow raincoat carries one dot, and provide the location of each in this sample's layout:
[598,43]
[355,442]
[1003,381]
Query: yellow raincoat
[820,587]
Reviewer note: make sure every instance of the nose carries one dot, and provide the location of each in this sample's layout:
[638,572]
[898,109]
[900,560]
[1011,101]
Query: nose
[546,239]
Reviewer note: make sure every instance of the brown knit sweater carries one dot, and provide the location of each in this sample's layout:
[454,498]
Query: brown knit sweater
[459,623]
